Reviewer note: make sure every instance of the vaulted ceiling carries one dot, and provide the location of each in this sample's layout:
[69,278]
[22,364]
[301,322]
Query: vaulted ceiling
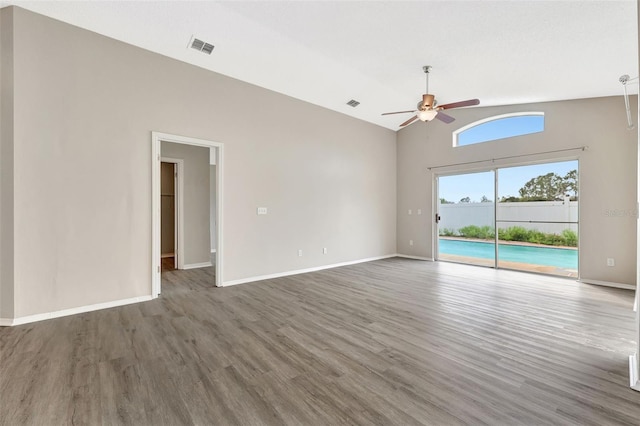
[329,52]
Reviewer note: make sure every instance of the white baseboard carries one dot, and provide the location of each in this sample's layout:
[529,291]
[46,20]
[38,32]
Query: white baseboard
[213,250]
[197,265]
[303,271]
[607,284]
[406,256]
[73,311]
[634,381]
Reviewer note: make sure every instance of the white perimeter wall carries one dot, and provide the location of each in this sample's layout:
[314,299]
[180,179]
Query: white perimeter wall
[456,216]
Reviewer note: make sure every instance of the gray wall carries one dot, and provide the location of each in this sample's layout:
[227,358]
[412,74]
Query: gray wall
[607,175]
[195,200]
[83,231]
[636,368]
[6,164]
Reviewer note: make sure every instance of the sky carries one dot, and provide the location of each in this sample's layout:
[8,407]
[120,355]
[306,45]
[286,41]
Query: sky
[501,128]
[510,180]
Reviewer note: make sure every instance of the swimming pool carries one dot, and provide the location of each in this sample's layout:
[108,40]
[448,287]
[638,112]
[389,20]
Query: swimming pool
[549,256]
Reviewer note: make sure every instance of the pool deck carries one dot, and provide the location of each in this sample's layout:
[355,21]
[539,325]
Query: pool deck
[519,266]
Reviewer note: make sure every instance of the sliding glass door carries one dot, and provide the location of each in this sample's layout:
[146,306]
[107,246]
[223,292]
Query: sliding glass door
[534,209]
[537,218]
[466,228]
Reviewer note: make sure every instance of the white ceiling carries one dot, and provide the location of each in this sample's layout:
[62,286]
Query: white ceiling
[328,52]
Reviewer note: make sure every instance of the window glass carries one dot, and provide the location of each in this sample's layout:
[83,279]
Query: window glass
[500,127]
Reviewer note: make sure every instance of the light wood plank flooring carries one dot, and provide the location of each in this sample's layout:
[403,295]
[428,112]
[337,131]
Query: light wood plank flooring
[393,342]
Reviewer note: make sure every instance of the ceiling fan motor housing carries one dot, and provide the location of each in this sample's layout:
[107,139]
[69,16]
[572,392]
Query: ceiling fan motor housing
[428,102]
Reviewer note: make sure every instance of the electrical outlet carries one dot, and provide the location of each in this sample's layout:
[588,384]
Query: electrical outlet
[410,242]
[299,253]
[419,211]
[262,210]
[611,261]
[409,211]
[324,250]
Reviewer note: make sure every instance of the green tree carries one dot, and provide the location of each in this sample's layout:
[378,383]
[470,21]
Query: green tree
[550,187]
[510,199]
[465,200]
[571,183]
[484,199]
[444,201]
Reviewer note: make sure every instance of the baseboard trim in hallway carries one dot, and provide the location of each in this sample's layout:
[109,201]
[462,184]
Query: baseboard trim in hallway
[198,265]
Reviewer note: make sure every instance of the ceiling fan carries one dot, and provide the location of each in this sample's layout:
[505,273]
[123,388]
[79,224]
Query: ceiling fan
[428,108]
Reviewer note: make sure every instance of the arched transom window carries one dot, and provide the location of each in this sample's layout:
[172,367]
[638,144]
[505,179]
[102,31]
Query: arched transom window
[499,127]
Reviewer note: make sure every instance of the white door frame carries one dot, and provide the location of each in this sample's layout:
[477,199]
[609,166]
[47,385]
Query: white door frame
[156,139]
[179,209]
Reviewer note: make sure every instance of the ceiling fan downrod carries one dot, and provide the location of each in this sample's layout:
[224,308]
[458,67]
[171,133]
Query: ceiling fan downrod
[426,70]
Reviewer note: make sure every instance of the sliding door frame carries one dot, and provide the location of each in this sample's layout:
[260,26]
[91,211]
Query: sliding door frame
[496,170]
[436,191]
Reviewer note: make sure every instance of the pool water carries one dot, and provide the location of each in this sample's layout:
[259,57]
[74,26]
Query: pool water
[548,256]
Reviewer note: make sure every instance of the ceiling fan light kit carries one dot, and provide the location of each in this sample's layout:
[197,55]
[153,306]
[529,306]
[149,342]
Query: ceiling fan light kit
[428,109]
[427,115]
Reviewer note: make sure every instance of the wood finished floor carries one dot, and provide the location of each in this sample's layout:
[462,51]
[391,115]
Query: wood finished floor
[396,341]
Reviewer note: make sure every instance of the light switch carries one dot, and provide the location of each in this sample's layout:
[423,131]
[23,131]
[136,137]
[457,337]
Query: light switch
[262,210]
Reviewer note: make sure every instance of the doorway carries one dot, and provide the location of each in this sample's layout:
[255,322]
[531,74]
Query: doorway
[521,217]
[214,248]
[170,213]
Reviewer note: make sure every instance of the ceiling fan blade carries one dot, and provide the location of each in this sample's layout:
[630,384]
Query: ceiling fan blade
[398,112]
[409,121]
[445,117]
[460,104]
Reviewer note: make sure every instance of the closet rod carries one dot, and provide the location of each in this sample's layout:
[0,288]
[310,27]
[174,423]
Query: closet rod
[580,148]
